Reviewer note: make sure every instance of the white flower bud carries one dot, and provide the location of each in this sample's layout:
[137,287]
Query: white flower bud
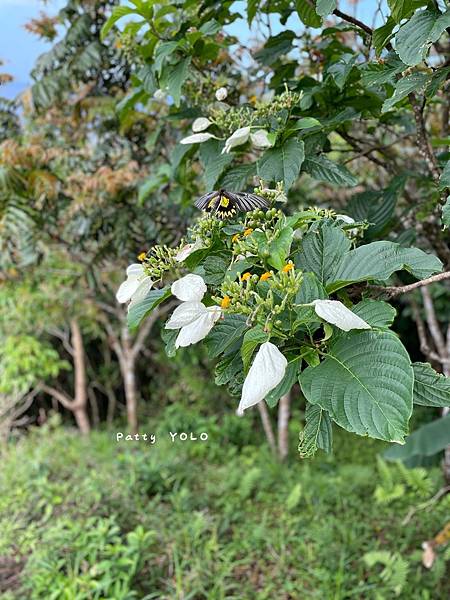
[221,94]
[200,124]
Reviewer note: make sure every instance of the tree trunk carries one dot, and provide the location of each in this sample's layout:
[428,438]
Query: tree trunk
[267,425]
[128,369]
[445,411]
[80,402]
[82,420]
[283,425]
[129,381]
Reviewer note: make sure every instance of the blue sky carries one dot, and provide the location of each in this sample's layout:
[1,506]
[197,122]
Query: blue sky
[19,49]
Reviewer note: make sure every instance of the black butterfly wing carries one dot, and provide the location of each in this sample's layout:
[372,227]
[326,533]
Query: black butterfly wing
[247,201]
[203,202]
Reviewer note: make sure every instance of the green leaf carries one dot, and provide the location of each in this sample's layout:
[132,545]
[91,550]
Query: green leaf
[416,82]
[279,248]
[236,179]
[444,180]
[225,333]
[323,169]
[341,69]
[117,13]
[283,163]
[438,79]
[325,7]
[442,23]
[322,251]
[430,388]
[365,383]
[311,289]
[285,385]
[446,213]
[376,207]
[252,338]
[317,433]
[304,123]
[174,78]
[240,266]
[147,76]
[379,260]
[139,310]
[228,369]
[414,37]
[214,163]
[276,46]
[425,441]
[382,35]
[375,312]
[306,12]
[215,268]
[169,337]
[402,9]
[252,7]
[89,58]
[162,51]
[376,74]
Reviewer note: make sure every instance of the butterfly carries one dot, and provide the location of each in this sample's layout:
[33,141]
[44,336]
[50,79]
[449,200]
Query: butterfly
[223,203]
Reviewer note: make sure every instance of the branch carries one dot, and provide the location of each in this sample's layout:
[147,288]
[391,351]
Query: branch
[353,21]
[147,326]
[423,142]
[63,398]
[63,336]
[393,290]
[423,340]
[144,330]
[433,324]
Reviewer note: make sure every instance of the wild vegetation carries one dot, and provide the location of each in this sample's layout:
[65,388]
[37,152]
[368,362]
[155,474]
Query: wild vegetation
[321,291]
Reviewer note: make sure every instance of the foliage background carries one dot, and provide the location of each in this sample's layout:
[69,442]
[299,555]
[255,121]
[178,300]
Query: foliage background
[91,174]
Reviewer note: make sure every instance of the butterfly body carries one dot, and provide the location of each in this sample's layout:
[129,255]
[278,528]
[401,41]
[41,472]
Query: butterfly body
[223,203]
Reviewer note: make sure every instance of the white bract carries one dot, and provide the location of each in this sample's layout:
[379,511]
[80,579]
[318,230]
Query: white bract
[265,374]
[221,94]
[239,137]
[200,124]
[336,313]
[192,317]
[260,139]
[188,249]
[190,288]
[198,138]
[136,285]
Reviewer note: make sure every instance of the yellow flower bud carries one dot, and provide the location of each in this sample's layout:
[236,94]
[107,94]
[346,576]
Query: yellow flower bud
[288,268]
[248,231]
[235,238]
[246,276]
[142,256]
[265,276]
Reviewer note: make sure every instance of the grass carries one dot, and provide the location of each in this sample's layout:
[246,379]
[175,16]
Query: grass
[90,518]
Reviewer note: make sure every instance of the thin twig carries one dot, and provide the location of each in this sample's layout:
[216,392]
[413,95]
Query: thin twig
[393,290]
[353,21]
[426,504]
